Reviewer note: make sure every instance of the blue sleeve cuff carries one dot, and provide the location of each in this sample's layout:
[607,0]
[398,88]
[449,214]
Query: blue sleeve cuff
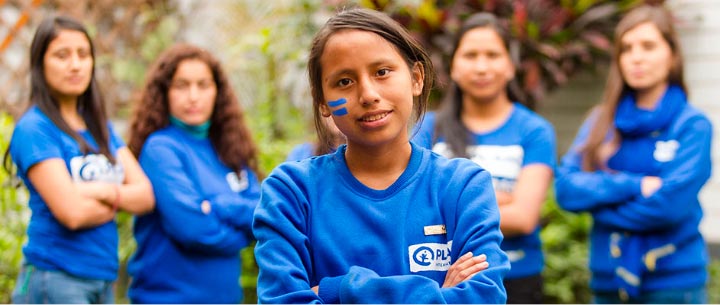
[329,289]
[634,184]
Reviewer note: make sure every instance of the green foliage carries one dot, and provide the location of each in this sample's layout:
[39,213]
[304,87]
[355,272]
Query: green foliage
[714,285]
[13,218]
[565,244]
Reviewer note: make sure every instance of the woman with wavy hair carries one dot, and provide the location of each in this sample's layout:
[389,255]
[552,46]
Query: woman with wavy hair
[190,136]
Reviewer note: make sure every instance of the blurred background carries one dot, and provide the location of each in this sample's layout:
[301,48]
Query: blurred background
[263,46]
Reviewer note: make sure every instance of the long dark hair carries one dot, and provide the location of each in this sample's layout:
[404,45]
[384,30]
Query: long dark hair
[90,104]
[615,86]
[228,133]
[387,28]
[448,122]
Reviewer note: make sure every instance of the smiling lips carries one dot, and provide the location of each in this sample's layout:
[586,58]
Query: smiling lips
[374,117]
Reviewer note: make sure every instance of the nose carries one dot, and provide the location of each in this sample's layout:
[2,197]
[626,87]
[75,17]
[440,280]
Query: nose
[75,62]
[193,93]
[636,54]
[481,64]
[368,91]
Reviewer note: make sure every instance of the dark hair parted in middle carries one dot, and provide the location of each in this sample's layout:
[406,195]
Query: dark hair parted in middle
[449,122]
[387,28]
[228,132]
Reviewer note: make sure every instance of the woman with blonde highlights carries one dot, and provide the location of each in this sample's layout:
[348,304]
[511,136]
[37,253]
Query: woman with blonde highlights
[637,165]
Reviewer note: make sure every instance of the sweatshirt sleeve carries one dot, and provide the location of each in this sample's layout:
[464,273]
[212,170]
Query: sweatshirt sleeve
[179,204]
[282,251]
[237,209]
[683,177]
[477,230]
[581,191]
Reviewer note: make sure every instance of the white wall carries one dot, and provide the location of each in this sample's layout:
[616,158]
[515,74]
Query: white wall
[698,25]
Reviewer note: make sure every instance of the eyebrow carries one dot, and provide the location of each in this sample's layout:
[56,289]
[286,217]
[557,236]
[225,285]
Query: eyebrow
[379,62]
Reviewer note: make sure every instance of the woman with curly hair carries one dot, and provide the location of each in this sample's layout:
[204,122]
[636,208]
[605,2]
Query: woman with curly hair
[190,136]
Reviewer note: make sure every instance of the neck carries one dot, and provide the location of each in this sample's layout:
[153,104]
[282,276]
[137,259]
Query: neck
[196,131]
[649,98]
[480,116]
[378,167]
[69,113]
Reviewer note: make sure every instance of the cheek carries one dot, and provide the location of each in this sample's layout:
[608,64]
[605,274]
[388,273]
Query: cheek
[175,102]
[509,70]
[210,98]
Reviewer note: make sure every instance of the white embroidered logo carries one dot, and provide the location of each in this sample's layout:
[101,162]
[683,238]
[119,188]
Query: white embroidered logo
[430,257]
[665,150]
[237,183]
[504,162]
[96,167]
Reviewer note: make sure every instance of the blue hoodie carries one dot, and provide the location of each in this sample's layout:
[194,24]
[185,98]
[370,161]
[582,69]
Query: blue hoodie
[188,253]
[318,225]
[525,138]
[643,244]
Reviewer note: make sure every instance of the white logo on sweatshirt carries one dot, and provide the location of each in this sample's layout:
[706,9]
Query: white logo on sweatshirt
[504,162]
[430,257]
[237,183]
[96,167]
[665,150]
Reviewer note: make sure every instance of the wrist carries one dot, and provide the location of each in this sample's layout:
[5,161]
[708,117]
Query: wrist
[116,200]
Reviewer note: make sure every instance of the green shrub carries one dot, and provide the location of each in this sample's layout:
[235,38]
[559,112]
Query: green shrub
[14,216]
[565,244]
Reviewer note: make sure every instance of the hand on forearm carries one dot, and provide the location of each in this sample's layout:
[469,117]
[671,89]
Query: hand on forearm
[465,268]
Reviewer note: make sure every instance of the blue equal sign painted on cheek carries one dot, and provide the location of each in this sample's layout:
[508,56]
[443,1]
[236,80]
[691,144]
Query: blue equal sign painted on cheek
[336,103]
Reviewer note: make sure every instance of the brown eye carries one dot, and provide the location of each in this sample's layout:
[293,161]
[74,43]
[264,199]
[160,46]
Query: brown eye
[383,72]
[344,82]
[63,54]
[205,84]
[179,85]
[83,53]
[649,45]
[493,55]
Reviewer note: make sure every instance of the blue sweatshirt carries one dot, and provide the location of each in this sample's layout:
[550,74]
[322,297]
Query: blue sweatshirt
[523,139]
[187,252]
[318,225]
[87,253]
[637,243]
[301,151]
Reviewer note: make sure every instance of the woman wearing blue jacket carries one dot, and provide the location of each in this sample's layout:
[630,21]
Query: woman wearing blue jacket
[381,220]
[637,165]
[190,137]
[482,120]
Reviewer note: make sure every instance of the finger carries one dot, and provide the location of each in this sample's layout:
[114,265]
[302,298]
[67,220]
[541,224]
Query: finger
[454,267]
[469,273]
[467,261]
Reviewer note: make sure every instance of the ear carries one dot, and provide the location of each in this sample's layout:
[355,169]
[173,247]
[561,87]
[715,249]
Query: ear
[510,74]
[418,77]
[325,110]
